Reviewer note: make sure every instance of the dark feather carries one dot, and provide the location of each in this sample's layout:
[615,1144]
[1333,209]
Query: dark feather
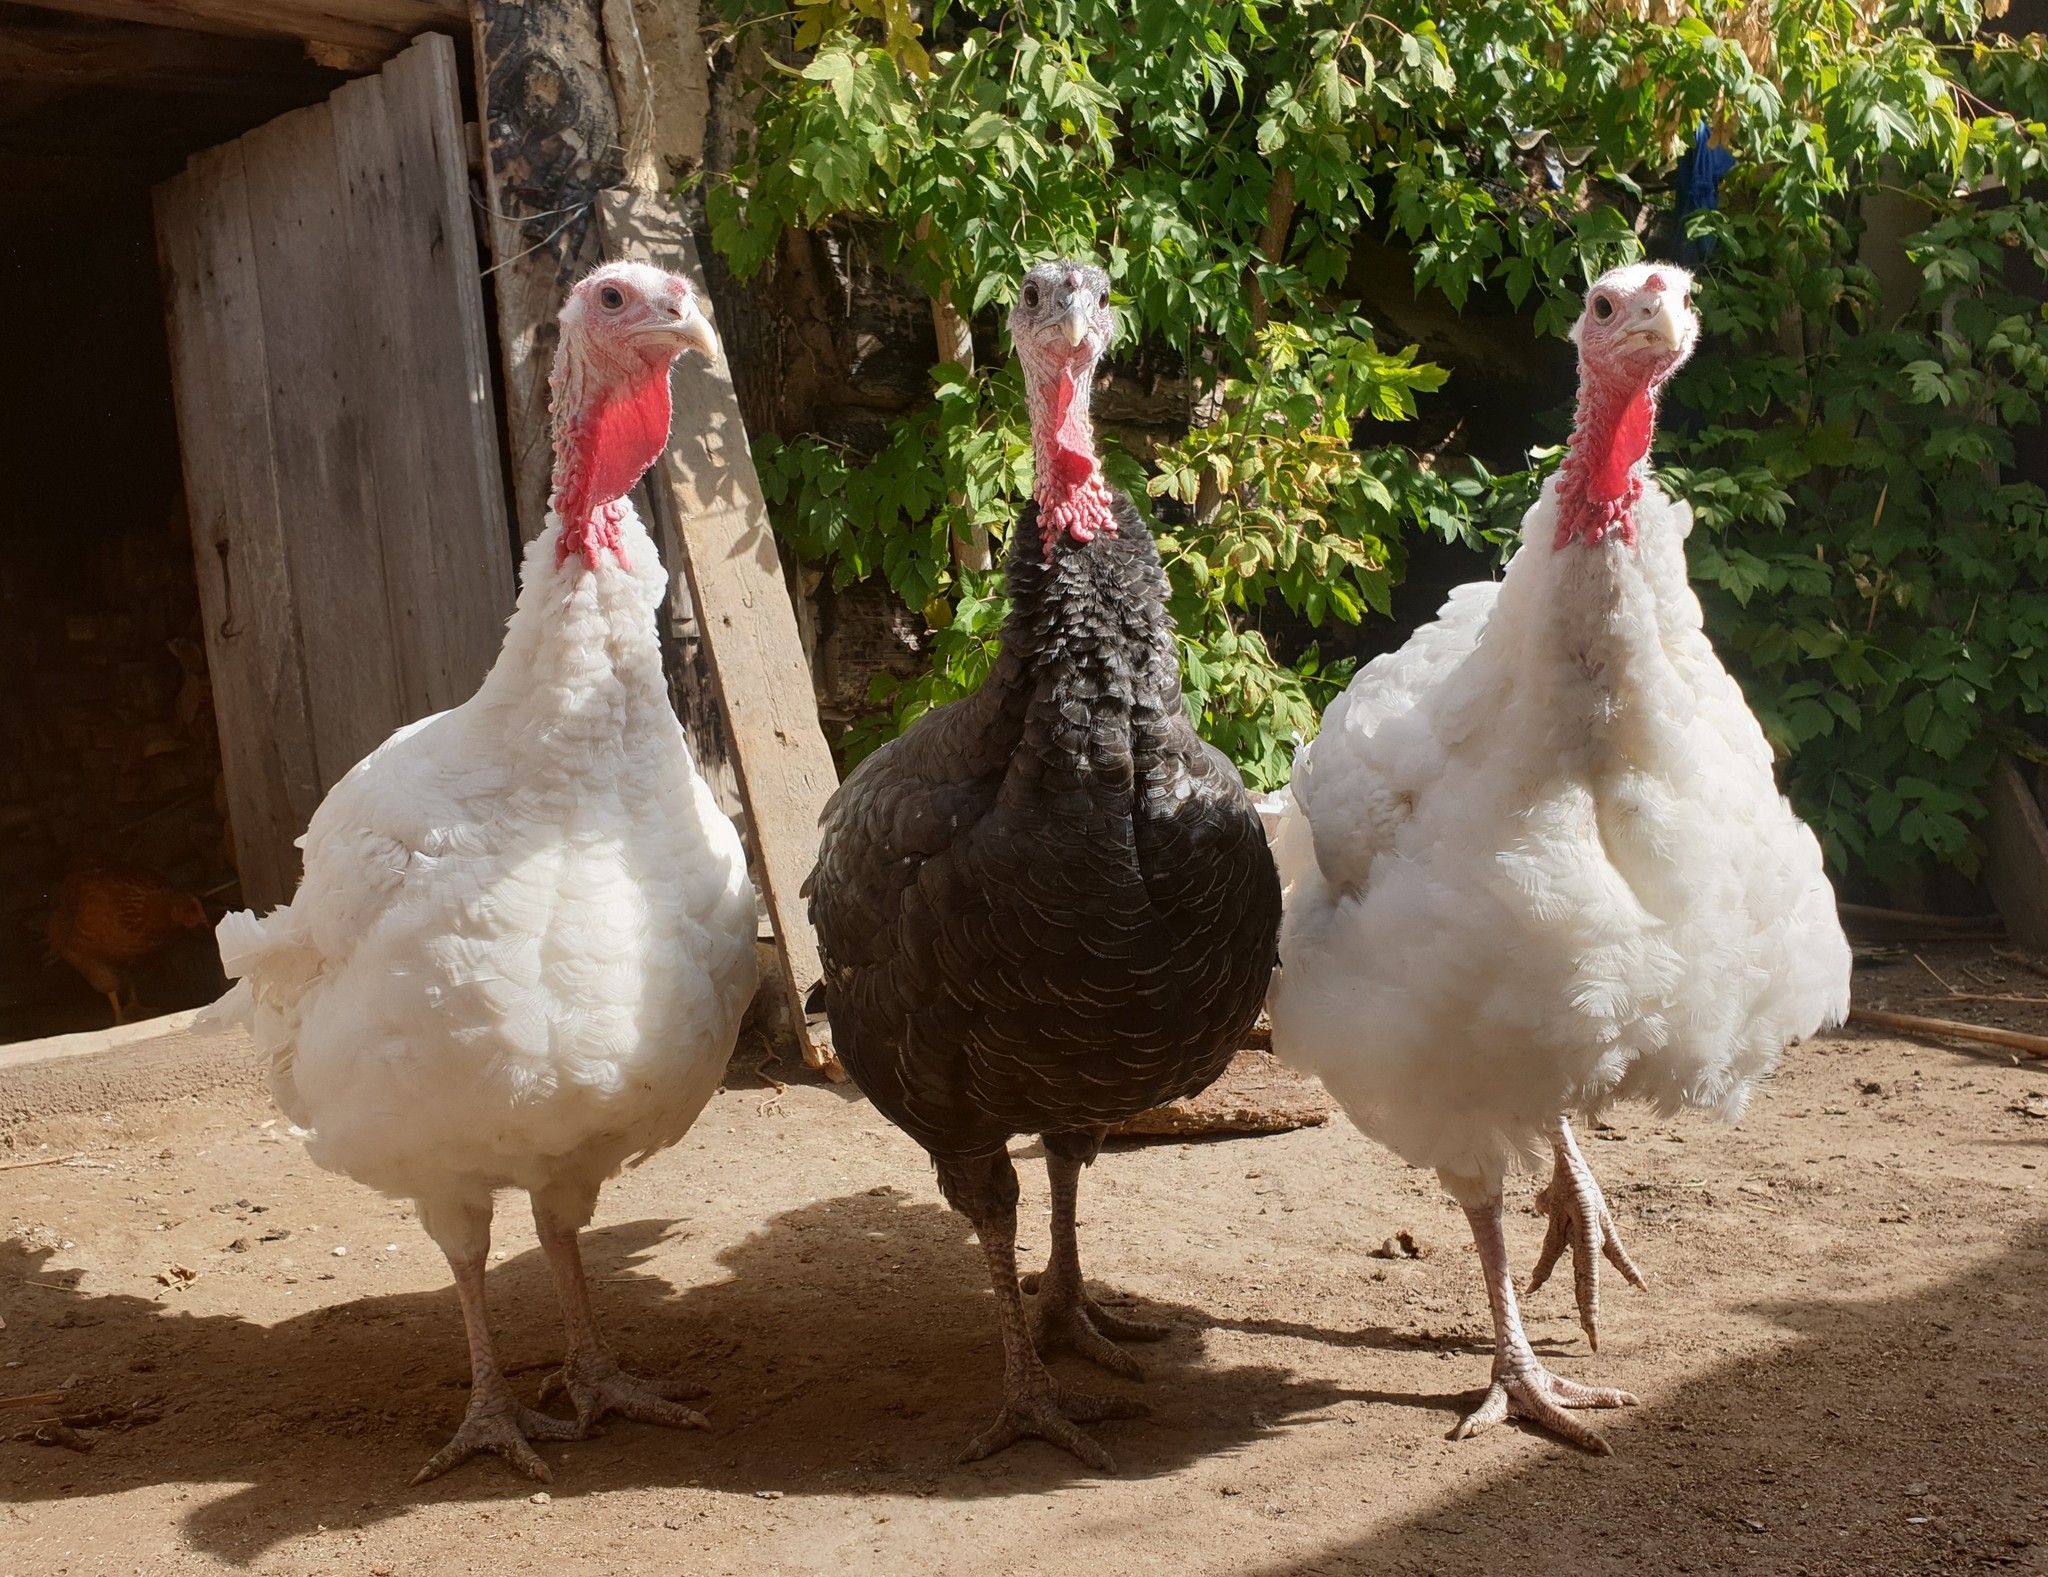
[1050,905]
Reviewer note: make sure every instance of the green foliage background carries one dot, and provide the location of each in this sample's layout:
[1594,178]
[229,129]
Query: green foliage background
[1869,574]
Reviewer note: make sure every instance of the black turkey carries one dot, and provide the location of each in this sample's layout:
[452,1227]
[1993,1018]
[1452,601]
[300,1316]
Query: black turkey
[1048,906]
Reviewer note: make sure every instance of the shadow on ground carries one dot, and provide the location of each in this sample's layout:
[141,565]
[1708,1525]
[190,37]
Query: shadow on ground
[1897,1436]
[854,1350]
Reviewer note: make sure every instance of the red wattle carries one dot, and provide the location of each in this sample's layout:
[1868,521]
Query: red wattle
[1613,461]
[613,446]
[1600,486]
[1062,400]
[1070,467]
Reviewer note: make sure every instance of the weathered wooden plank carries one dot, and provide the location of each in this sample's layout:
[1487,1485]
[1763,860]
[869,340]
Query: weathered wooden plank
[551,144]
[219,373]
[686,662]
[322,427]
[421,376]
[743,611]
[380,27]
[2017,869]
[96,53]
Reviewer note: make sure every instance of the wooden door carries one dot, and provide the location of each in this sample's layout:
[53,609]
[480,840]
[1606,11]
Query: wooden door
[340,444]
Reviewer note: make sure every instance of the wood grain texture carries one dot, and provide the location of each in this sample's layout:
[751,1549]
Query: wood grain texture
[431,437]
[380,27]
[326,473]
[743,610]
[339,440]
[219,371]
[551,144]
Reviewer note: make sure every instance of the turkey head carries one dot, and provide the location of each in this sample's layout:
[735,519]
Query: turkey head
[1062,324]
[622,327]
[1637,330]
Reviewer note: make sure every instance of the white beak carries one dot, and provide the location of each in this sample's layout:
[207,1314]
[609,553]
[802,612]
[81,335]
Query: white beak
[1669,326]
[1076,324]
[695,330]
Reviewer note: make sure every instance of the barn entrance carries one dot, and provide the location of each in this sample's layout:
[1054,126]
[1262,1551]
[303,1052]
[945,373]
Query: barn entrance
[130,730]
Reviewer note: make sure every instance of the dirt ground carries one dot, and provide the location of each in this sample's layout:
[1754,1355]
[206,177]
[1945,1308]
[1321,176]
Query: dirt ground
[1841,1360]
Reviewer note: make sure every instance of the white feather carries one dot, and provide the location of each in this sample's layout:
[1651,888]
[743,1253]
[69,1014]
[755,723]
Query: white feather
[1547,866]
[525,935]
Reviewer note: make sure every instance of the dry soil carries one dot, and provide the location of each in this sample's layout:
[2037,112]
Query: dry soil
[1840,1359]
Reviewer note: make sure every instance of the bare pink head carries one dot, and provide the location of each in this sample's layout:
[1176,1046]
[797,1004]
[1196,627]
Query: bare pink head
[1061,325]
[1638,328]
[622,326]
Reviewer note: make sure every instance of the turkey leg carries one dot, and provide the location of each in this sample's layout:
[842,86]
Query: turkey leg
[1580,1220]
[1034,1405]
[1522,1387]
[592,1378]
[495,1420]
[1065,1316]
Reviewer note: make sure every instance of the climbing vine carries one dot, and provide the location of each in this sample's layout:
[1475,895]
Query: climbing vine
[1873,569]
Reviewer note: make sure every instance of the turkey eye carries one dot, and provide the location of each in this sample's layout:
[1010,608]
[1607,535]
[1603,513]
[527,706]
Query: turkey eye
[1603,309]
[613,297]
[1030,295]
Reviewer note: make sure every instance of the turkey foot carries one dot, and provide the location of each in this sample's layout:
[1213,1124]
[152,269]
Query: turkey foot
[495,1421]
[1034,1405]
[1065,1316]
[1072,1321]
[1048,1413]
[592,1379]
[1522,1387]
[1535,1394]
[1581,1221]
[596,1385]
[503,1426]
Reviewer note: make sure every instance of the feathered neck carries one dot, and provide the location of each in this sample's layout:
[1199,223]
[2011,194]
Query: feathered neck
[1088,648]
[1085,598]
[1073,499]
[1602,478]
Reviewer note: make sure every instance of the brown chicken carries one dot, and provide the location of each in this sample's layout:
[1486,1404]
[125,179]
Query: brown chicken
[110,916]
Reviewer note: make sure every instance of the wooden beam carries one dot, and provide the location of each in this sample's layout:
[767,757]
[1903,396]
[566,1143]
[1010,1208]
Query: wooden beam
[379,27]
[746,619]
[551,144]
[100,54]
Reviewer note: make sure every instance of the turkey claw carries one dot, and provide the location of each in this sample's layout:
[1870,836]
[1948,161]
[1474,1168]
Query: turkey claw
[1540,1397]
[598,1386]
[1050,1417]
[1122,1328]
[506,1431]
[1580,1221]
[1080,1325]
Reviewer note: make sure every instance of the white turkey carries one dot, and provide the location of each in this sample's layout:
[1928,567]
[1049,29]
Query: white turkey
[525,934]
[1539,862]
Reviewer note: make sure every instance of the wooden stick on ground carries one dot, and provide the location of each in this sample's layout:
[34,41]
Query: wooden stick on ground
[38,1399]
[48,1160]
[2008,955]
[1914,1024]
[1906,924]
